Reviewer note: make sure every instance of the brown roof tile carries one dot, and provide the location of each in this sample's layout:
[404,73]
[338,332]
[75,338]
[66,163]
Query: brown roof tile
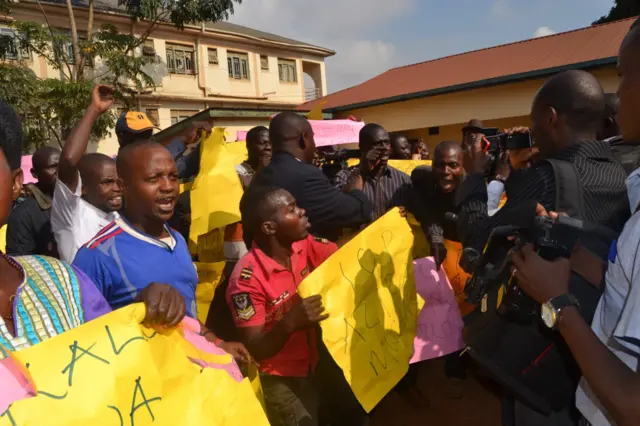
[452,73]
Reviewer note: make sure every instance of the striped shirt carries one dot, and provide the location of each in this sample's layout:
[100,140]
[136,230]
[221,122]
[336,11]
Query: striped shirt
[602,178]
[391,189]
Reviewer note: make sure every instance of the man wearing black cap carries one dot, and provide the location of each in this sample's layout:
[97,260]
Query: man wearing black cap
[472,132]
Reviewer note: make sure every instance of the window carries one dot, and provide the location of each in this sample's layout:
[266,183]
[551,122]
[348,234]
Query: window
[213,56]
[13,48]
[178,115]
[69,51]
[238,64]
[287,71]
[148,49]
[180,59]
[152,113]
[264,62]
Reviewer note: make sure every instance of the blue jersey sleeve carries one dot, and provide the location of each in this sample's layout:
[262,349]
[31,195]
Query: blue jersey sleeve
[93,264]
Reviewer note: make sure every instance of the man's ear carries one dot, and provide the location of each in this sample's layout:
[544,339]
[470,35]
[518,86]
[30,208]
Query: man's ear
[609,123]
[302,142]
[552,115]
[16,186]
[269,228]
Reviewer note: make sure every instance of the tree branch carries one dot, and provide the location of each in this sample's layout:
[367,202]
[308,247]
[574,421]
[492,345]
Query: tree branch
[74,39]
[53,42]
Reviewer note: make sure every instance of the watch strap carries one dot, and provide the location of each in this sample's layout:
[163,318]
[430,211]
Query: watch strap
[566,300]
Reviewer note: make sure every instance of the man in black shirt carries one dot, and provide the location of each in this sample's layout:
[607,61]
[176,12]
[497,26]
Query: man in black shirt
[566,115]
[29,226]
[329,209]
[385,186]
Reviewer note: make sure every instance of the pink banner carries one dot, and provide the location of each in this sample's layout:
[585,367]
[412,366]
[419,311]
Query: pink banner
[25,165]
[16,383]
[440,324]
[327,132]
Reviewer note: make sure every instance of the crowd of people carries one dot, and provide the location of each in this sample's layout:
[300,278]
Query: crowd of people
[96,233]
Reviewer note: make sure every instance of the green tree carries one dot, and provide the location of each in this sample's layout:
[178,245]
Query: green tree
[83,57]
[621,9]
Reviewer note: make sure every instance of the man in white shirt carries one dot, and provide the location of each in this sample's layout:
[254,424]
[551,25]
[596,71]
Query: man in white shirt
[87,195]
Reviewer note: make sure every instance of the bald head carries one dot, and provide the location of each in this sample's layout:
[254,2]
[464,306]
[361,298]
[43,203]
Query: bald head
[576,96]
[91,164]
[130,156]
[290,132]
[445,147]
[45,167]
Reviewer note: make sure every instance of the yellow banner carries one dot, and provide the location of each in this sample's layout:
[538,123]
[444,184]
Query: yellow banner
[369,291]
[238,150]
[209,277]
[405,166]
[114,372]
[216,192]
[3,239]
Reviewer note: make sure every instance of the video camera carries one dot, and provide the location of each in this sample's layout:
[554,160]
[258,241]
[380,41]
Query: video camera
[552,239]
[498,142]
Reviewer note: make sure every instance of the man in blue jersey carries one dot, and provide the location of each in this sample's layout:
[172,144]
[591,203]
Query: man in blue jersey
[138,248]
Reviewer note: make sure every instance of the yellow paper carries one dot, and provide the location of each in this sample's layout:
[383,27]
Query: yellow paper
[209,277]
[3,239]
[407,166]
[216,192]
[369,291]
[316,112]
[114,372]
[238,150]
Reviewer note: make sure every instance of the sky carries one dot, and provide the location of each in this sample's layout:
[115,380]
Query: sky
[372,36]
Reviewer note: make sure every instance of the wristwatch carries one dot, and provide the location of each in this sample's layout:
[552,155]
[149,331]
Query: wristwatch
[552,308]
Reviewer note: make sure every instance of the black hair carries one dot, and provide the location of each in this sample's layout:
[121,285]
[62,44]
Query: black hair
[286,129]
[127,151]
[578,96]
[10,135]
[41,157]
[444,145]
[254,133]
[89,163]
[257,206]
[368,130]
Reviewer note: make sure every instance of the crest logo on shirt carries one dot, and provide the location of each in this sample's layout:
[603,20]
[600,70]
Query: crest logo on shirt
[243,306]
[280,299]
[304,272]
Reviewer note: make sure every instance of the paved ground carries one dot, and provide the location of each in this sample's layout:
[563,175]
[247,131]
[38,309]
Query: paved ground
[479,406]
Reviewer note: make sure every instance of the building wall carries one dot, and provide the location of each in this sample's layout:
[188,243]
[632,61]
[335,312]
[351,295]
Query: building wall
[500,106]
[210,87]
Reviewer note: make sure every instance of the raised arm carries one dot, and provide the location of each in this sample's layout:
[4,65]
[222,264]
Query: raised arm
[76,144]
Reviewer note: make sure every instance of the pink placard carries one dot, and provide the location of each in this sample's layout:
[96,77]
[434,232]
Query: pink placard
[327,132]
[191,329]
[16,383]
[440,324]
[25,165]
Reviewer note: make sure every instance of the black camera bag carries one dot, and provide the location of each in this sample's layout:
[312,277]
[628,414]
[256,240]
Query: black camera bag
[532,361]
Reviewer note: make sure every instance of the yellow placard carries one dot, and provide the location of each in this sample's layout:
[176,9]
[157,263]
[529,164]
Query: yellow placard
[113,371]
[407,166]
[216,191]
[3,239]
[238,150]
[369,291]
[209,277]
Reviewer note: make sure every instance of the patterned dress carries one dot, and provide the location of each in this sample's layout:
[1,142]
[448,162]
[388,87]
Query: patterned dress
[54,297]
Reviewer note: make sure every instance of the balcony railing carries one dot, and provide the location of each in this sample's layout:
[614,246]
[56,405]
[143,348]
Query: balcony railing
[311,94]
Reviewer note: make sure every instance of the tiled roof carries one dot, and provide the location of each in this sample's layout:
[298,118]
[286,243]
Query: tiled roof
[582,48]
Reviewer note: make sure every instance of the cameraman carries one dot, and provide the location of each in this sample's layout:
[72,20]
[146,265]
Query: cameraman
[608,352]
[566,115]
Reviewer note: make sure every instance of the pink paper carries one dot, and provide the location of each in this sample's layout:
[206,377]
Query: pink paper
[191,329]
[440,324]
[327,132]
[25,165]
[16,384]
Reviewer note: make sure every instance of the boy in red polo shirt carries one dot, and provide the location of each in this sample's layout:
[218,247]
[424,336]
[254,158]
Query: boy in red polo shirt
[276,325]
